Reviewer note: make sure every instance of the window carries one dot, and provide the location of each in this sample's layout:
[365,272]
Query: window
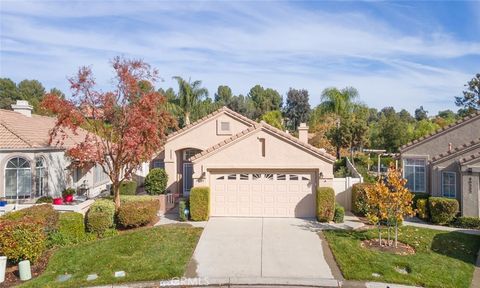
[40,177]
[243,176]
[448,184]
[158,164]
[98,175]
[221,178]
[18,178]
[232,177]
[187,154]
[256,176]
[414,171]
[293,177]
[305,178]
[269,176]
[225,126]
[281,177]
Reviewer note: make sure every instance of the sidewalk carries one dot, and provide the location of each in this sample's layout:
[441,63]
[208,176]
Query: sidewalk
[422,224]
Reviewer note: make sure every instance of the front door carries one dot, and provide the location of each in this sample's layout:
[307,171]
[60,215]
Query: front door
[187,178]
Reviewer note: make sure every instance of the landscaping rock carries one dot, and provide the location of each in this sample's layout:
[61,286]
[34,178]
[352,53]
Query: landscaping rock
[119,274]
[92,277]
[376,275]
[401,270]
[63,278]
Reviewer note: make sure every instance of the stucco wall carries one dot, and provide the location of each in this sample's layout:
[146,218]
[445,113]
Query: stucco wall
[471,195]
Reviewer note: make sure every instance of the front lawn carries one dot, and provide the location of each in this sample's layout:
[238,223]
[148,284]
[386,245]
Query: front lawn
[144,254]
[442,259]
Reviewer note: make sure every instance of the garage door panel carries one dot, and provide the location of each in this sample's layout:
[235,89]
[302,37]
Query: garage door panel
[262,194]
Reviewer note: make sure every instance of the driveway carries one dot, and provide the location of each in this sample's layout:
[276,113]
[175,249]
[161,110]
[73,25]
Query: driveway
[259,248]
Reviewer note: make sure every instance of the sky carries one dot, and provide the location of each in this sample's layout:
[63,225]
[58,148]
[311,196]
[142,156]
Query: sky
[401,54]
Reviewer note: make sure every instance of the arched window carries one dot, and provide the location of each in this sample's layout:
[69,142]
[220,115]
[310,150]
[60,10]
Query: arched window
[40,177]
[18,178]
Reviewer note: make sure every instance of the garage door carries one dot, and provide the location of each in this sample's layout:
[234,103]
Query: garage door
[262,194]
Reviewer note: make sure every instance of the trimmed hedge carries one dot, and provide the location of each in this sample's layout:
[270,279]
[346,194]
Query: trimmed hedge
[339,213]
[22,239]
[71,230]
[325,209]
[156,181]
[442,210]
[467,222]
[359,198]
[100,217]
[422,209]
[137,213]
[128,188]
[200,203]
[44,215]
[417,196]
[182,205]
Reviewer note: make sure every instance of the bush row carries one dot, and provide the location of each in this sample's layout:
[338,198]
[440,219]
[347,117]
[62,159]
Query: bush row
[325,208]
[200,203]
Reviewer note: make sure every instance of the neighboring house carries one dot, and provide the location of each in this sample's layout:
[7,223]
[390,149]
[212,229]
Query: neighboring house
[447,164]
[253,169]
[31,168]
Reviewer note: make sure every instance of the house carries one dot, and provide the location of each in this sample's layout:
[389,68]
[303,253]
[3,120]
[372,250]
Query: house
[252,169]
[447,164]
[31,168]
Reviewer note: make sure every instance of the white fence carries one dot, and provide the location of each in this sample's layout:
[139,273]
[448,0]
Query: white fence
[343,190]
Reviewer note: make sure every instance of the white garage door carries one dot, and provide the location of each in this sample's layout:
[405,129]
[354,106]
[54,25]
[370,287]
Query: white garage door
[262,194]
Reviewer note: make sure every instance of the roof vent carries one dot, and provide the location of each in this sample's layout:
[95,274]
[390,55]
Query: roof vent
[449,147]
[23,107]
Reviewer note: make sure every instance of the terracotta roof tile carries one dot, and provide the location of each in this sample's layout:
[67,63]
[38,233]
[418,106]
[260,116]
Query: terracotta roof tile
[20,131]
[456,149]
[470,158]
[448,127]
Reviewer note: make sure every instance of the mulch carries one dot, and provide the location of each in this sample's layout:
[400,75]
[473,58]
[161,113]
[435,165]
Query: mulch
[12,278]
[386,246]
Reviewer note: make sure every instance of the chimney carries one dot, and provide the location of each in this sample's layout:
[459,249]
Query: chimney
[303,132]
[449,147]
[23,107]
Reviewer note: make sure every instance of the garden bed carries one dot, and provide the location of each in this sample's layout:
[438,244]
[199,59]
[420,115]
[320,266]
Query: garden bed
[441,259]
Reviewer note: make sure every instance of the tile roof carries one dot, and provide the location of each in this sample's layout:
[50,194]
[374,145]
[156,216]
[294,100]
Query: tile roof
[224,109]
[263,125]
[456,150]
[20,131]
[474,115]
[470,158]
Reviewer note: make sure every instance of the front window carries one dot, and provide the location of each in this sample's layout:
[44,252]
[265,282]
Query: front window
[414,170]
[40,177]
[448,184]
[18,178]
[187,154]
[158,164]
[99,176]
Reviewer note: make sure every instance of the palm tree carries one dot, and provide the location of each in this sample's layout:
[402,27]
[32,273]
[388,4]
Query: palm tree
[339,102]
[189,95]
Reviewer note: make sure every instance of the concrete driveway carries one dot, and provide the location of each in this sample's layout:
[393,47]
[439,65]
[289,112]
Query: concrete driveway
[259,248]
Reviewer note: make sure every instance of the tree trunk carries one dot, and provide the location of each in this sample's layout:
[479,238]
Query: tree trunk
[116,195]
[187,118]
[379,234]
[396,233]
[338,152]
[388,234]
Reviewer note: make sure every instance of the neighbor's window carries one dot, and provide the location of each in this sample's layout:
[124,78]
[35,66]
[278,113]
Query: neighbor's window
[448,184]
[158,164]
[414,170]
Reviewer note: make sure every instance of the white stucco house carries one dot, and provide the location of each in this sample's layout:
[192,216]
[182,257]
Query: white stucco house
[252,169]
[31,168]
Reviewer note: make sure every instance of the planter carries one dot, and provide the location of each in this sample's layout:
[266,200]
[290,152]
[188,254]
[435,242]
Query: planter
[24,270]
[68,198]
[3,267]
[57,201]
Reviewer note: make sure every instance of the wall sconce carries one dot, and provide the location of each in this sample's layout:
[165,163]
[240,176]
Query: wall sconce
[320,175]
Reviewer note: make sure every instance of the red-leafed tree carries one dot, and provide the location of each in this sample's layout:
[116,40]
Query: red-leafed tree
[125,127]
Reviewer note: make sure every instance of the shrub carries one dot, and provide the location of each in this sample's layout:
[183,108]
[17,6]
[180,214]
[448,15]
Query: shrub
[182,205]
[22,239]
[442,210]
[137,213]
[71,230]
[325,204]
[100,216]
[43,214]
[339,213]
[359,198]
[138,198]
[128,188]
[417,196]
[467,222]
[200,203]
[68,191]
[156,181]
[422,208]
[44,199]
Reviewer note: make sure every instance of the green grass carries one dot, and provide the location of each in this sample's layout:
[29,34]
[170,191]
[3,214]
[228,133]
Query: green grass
[442,259]
[144,254]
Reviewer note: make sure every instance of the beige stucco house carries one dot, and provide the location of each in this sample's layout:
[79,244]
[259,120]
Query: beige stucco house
[31,168]
[447,164]
[253,169]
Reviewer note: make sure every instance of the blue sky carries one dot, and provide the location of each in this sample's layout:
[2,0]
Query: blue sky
[402,54]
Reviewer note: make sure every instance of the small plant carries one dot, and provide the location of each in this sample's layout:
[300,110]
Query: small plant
[339,213]
[200,203]
[68,192]
[182,206]
[128,188]
[422,209]
[156,181]
[100,217]
[442,210]
[137,213]
[44,199]
[325,204]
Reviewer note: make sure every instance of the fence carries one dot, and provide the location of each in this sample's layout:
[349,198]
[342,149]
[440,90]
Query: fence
[343,190]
